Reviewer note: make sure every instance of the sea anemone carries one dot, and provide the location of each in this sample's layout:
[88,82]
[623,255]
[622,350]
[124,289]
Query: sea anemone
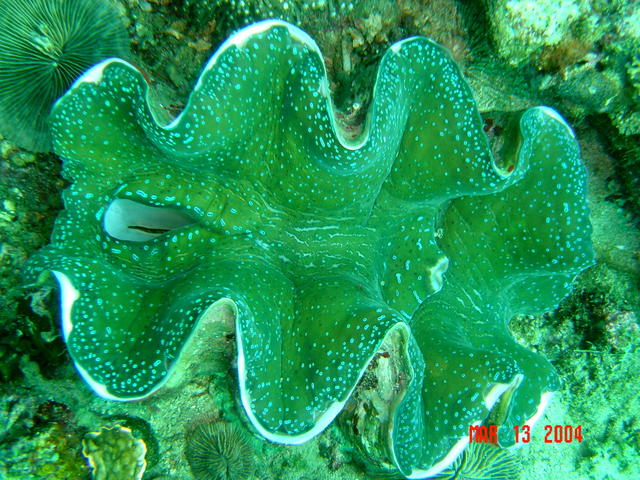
[45,45]
[218,451]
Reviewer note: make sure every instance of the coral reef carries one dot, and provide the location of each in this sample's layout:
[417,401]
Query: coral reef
[140,430]
[601,319]
[45,45]
[523,30]
[29,197]
[597,356]
[590,75]
[352,36]
[115,454]
[583,52]
[593,341]
[114,253]
[581,55]
[39,440]
[624,172]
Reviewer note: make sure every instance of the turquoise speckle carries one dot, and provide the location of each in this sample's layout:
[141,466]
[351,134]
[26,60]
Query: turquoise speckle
[324,243]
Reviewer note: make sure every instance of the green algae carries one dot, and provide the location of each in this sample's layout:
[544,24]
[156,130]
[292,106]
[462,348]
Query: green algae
[29,198]
[38,440]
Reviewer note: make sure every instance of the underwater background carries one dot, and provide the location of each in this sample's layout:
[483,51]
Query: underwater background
[581,57]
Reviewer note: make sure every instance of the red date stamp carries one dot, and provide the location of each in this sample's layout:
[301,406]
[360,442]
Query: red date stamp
[552,433]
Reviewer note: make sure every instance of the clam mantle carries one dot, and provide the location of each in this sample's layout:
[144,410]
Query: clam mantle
[323,244]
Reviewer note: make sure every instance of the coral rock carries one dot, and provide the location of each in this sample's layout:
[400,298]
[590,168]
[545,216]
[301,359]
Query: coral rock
[114,454]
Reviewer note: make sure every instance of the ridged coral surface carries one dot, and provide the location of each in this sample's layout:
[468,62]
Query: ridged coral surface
[45,45]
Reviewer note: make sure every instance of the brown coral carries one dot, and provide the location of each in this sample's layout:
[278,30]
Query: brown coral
[115,454]
[557,58]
